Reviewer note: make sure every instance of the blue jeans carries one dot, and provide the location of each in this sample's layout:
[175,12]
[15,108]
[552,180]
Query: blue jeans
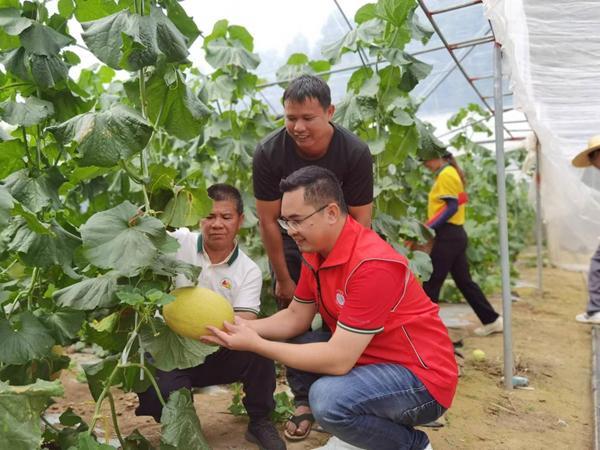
[372,407]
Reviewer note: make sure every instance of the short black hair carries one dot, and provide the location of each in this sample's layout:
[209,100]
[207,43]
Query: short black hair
[321,187]
[225,192]
[306,87]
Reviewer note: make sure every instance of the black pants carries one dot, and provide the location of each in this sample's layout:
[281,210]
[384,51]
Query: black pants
[449,256]
[256,372]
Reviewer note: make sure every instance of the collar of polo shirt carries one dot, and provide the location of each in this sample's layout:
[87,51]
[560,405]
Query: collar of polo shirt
[229,260]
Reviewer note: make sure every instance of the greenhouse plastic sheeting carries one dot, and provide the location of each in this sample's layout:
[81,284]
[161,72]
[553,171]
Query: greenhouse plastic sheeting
[551,51]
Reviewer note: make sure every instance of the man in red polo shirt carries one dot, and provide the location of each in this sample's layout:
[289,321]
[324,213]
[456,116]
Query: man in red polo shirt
[390,363]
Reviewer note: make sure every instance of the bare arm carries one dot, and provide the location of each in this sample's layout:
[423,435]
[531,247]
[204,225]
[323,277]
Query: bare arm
[268,213]
[246,315]
[335,357]
[362,214]
[287,323]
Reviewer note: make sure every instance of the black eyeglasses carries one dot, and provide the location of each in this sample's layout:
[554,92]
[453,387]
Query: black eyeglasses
[294,225]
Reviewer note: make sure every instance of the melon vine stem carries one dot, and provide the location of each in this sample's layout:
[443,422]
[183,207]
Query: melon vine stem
[113,413]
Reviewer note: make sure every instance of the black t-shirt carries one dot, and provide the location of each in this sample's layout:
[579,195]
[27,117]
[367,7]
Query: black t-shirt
[348,157]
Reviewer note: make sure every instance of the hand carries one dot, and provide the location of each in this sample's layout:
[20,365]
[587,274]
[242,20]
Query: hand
[238,337]
[284,292]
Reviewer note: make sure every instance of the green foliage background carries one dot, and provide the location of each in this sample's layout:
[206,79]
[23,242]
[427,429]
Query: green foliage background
[95,170]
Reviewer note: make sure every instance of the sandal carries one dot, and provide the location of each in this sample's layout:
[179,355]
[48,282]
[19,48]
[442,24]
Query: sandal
[296,420]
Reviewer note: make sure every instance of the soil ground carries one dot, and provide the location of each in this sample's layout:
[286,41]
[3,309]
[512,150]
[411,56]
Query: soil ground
[550,349]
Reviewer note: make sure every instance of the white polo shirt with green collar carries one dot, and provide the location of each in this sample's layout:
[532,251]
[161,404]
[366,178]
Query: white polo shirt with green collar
[237,278]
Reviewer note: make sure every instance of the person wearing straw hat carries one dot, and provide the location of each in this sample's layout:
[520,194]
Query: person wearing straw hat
[449,254]
[588,158]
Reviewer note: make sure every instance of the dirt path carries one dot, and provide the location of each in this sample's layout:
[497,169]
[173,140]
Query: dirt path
[550,349]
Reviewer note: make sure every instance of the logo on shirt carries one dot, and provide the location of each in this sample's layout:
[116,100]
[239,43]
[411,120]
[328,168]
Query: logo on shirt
[226,283]
[339,298]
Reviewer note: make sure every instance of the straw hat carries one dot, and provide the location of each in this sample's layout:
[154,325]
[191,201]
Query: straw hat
[583,159]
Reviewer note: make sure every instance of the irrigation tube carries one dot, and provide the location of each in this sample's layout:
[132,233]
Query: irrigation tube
[504,264]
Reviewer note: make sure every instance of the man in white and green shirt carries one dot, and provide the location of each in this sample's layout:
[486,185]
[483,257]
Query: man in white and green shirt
[228,271]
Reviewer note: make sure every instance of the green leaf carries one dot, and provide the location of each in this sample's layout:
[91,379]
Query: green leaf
[20,409]
[365,34]
[171,42]
[161,177]
[297,65]
[159,297]
[17,62]
[112,240]
[88,173]
[111,333]
[44,250]
[429,146]
[219,31]
[187,208]
[123,40]
[48,71]
[399,146]
[8,42]
[227,146]
[71,58]
[169,266]
[69,418]
[104,138]
[181,425]
[98,374]
[182,21]
[87,10]
[183,113]
[31,220]
[221,54]
[418,30]
[401,117]
[354,110]
[41,368]
[64,324]
[11,157]
[91,293]
[31,340]
[413,73]
[66,104]
[136,441]
[6,205]
[365,13]
[394,11]
[12,22]
[241,34]
[32,112]
[420,264]
[43,40]
[130,295]
[171,350]
[35,193]
[396,57]
[66,8]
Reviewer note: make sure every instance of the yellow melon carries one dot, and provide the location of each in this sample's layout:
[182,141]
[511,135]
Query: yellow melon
[57,350]
[194,309]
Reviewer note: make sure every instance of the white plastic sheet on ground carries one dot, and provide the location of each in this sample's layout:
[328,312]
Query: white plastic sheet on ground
[551,51]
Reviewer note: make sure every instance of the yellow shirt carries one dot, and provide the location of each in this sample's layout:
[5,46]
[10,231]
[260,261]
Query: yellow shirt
[447,185]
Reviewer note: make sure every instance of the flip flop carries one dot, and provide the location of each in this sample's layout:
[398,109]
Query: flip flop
[296,421]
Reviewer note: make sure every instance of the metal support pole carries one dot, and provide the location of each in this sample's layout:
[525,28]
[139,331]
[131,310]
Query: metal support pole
[538,216]
[504,260]
[455,7]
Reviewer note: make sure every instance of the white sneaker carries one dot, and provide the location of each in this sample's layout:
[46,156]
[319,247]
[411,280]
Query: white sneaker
[337,444]
[495,327]
[588,318]
[429,447]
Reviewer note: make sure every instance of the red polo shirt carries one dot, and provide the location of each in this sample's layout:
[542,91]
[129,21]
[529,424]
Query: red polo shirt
[365,286]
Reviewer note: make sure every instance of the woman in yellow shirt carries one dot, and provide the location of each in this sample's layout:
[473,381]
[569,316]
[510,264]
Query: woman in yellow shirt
[449,251]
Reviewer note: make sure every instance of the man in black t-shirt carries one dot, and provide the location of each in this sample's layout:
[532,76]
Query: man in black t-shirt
[308,138]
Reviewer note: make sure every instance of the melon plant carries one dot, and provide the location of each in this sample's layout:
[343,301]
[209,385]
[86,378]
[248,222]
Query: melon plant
[95,170]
